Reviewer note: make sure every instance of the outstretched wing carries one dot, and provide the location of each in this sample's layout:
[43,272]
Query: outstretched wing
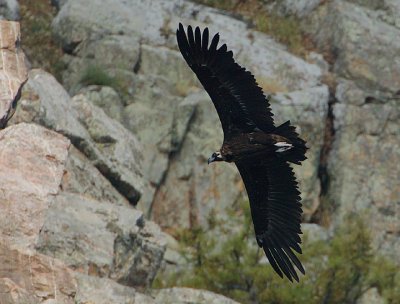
[276,211]
[240,102]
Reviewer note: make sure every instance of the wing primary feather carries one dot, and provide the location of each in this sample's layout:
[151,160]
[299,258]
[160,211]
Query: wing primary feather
[272,261]
[282,265]
[289,253]
[239,101]
[204,43]
[214,43]
[197,39]
[294,258]
[284,258]
[223,48]
[191,38]
[183,43]
[290,241]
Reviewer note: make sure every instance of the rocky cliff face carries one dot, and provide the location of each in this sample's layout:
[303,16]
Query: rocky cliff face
[136,128]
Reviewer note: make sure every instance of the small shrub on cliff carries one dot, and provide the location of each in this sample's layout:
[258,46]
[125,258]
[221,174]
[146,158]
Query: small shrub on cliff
[230,263]
[96,75]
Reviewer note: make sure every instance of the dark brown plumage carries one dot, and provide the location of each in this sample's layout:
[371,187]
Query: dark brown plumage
[260,150]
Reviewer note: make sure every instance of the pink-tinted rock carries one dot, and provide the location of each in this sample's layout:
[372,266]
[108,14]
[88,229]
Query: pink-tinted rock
[36,276]
[32,161]
[13,72]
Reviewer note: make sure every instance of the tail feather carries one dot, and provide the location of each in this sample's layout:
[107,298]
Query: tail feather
[297,154]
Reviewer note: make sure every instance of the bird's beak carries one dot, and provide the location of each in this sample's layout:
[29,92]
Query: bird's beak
[211,159]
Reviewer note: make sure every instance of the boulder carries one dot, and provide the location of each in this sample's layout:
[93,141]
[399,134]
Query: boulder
[13,72]
[189,295]
[101,239]
[81,176]
[119,149]
[45,101]
[362,46]
[106,98]
[32,161]
[104,291]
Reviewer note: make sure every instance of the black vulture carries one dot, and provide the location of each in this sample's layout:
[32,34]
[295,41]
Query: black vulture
[260,150]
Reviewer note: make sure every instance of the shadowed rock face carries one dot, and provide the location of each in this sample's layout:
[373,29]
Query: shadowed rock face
[112,150]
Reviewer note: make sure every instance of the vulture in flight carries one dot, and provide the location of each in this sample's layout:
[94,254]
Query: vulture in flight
[260,150]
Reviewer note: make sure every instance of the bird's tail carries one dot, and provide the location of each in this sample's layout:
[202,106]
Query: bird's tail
[297,154]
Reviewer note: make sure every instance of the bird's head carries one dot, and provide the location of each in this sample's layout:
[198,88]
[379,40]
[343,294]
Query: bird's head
[216,156]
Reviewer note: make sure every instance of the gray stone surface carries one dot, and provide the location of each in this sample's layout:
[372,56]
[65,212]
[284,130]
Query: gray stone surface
[9,10]
[81,176]
[32,161]
[44,101]
[359,41]
[105,53]
[362,164]
[385,10]
[101,239]
[34,277]
[190,185]
[160,121]
[371,296]
[112,150]
[106,98]
[155,22]
[300,8]
[120,150]
[189,295]
[315,232]
[105,291]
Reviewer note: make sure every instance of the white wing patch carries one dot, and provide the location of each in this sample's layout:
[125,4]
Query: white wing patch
[283,146]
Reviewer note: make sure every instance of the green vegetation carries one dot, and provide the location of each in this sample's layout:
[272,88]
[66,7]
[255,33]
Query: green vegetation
[96,75]
[37,42]
[221,4]
[338,271]
[286,30]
